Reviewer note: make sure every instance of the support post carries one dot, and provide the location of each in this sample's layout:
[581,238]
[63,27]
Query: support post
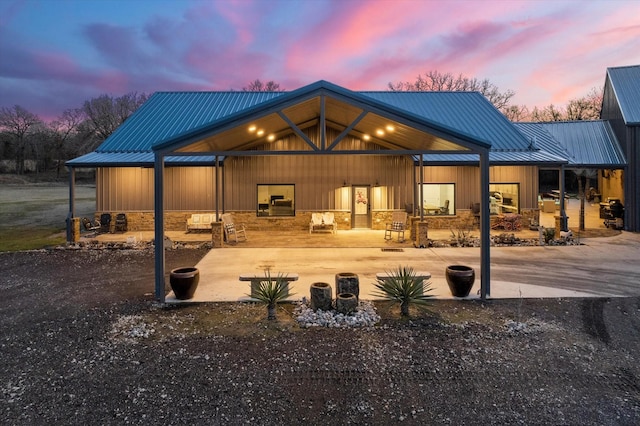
[72,200]
[158,205]
[421,189]
[485,227]
[563,212]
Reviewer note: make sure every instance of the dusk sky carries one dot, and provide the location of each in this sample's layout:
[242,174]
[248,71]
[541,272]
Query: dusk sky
[55,54]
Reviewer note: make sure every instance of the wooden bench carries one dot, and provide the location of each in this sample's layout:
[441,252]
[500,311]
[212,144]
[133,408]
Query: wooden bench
[419,274]
[257,279]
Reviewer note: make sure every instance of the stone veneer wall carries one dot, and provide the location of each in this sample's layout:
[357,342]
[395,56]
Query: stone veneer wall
[177,221]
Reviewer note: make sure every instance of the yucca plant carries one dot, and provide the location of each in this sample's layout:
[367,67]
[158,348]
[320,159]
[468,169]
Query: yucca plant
[270,292]
[403,286]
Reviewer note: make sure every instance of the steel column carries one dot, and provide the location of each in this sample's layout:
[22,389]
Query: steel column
[485,227]
[158,205]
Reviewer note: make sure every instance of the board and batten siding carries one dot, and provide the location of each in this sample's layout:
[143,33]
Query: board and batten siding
[319,179]
[131,189]
[467,181]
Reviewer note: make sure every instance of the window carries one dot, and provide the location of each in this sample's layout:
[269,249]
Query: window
[438,198]
[504,198]
[276,200]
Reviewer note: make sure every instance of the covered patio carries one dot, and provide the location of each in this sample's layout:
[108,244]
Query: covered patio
[318,257]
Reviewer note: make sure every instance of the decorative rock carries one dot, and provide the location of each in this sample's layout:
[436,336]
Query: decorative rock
[321,296]
[347,282]
[346,303]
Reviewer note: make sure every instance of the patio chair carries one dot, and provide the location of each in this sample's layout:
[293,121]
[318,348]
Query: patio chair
[105,223]
[121,222]
[231,229]
[316,222]
[90,226]
[398,224]
[329,220]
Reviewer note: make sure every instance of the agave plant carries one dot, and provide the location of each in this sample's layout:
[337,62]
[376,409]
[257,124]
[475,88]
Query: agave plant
[403,286]
[270,292]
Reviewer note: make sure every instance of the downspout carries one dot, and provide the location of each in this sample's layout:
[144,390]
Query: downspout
[72,199]
[158,206]
[485,226]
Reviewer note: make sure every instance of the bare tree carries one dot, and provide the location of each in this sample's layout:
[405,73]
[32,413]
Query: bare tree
[63,131]
[587,107]
[18,123]
[259,86]
[106,113]
[517,113]
[434,81]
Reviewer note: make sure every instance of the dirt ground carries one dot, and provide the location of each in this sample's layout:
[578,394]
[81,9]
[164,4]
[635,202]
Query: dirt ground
[83,342]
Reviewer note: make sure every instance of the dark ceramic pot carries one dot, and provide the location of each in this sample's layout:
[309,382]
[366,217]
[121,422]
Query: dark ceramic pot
[460,279]
[184,282]
[348,282]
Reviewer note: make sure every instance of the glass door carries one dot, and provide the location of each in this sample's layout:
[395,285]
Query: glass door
[361,207]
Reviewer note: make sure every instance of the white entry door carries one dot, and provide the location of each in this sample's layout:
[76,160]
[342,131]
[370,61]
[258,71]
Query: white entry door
[361,207]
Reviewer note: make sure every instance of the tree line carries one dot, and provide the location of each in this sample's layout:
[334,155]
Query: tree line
[25,137]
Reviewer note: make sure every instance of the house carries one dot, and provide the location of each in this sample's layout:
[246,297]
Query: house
[621,108]
[275,158]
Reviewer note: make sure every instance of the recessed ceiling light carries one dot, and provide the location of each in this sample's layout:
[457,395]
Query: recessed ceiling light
[390,128]
[271,137]
[260,132]
[252,128]
[380,132]
[366,137]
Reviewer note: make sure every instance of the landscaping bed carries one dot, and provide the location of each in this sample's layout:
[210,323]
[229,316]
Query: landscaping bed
[84,342]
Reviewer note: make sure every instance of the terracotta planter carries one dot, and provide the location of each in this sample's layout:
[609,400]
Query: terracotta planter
[460,279]
[184,282]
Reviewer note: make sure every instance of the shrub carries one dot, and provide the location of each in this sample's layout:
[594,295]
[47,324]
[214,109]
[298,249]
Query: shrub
[403,286]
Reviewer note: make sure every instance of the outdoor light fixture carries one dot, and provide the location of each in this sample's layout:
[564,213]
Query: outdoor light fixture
[260,132]
[252,128]
[271,137]
[380,132]
[366,137]
[390,128]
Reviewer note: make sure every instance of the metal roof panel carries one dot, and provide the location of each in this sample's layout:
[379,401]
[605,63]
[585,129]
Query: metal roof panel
[582,143]
[469,112]
[626,86]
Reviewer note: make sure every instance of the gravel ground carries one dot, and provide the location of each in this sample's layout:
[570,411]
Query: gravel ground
[83,342]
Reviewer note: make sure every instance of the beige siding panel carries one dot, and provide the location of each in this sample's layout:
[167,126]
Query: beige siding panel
[131,189]
[467,180]
[318,178]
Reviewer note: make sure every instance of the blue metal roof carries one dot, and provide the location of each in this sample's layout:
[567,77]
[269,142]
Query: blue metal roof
[537,157]
[169,114]
[469,112]
[582,143]
[626,87]
[138,159]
